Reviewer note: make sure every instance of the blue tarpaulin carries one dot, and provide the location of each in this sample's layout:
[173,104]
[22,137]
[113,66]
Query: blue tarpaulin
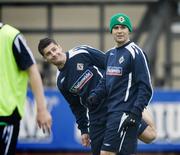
[164,107]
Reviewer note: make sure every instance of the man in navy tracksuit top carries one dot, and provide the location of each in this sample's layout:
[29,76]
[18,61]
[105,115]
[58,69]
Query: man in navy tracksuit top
[80,70]
[127,85]
[81,73]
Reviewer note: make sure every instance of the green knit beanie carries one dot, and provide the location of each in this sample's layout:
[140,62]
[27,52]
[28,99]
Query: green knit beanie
[120,19]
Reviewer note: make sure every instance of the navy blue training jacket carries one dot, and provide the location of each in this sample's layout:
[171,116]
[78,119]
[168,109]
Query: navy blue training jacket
[126,81]
[80,74]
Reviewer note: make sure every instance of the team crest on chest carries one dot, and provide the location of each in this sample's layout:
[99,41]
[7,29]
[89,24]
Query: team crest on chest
[80,66]
[121,60]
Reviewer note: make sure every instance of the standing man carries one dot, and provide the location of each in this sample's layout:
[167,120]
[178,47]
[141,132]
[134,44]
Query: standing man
[127,85]
[80,70]
[17,64]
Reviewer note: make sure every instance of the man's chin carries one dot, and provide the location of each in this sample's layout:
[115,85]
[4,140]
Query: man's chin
[120,41]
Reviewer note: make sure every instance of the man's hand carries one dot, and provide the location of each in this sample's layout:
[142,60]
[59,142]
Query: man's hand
[44,120]
[131,120]
[85,140]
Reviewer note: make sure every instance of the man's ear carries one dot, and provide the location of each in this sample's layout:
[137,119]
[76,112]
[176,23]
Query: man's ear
[44,58]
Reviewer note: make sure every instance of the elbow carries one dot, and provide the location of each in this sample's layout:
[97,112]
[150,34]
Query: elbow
[151,137]
[150,140]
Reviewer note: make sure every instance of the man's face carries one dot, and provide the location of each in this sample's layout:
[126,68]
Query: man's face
[120,34]
[53,54]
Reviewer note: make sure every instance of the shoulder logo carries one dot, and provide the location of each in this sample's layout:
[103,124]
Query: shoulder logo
[80,66]
[121,60]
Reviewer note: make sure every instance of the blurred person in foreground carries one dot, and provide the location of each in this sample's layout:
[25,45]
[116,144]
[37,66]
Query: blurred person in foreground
[127,85]
[79,71]
[17,65]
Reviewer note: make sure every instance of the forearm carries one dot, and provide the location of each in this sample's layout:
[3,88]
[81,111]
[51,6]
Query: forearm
[143,98]
[44,119]
[80,114]
[148,118]
[100,89]
[37,87]
[79,111]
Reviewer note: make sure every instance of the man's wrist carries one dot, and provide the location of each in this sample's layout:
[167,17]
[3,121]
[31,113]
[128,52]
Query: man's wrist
[84,131]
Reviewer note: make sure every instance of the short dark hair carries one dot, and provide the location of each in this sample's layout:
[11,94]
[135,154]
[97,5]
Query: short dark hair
[43,43]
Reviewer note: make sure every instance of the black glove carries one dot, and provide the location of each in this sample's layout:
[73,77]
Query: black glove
[132,119]
[92,99]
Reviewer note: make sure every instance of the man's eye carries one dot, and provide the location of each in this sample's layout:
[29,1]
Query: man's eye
[54,49]
[47,54]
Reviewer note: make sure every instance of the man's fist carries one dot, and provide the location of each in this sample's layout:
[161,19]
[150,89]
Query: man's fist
[85,140]
[131,120]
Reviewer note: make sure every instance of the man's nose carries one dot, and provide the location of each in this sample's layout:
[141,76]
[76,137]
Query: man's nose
[119,29]
[53,53]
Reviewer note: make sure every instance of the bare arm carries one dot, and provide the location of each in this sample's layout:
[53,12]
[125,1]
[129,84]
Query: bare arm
[149,134]
[148,118]
[44,119]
